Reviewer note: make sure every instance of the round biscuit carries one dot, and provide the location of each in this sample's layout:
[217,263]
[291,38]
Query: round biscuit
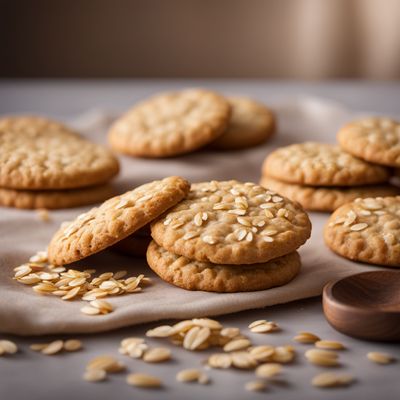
[328,199]
[170,124]
[320,164]
[195,275]
[375,140]
[366,230]
[38,153]
[232,223]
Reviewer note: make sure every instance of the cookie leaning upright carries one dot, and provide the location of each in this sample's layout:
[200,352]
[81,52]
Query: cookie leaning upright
[38,153]
[373,139]
[232,223]
[366,230]
[115,219]
[251,123]
[318,164]
[170,124]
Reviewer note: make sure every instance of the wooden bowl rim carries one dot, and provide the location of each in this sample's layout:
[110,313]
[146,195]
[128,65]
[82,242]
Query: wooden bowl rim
[328,296]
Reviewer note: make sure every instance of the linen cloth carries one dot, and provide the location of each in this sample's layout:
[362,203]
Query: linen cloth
[22,234]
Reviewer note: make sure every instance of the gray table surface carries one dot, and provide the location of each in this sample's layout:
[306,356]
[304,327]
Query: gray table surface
[30,375]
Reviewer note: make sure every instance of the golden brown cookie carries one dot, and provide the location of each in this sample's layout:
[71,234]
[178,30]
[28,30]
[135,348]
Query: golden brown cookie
[133,245]
[232,223]
[315,198]
[55,199]
[373,139]
[319,164]
[38,153]
[195,275]
[251,123]
[115,219]
[170,124]
[366,230]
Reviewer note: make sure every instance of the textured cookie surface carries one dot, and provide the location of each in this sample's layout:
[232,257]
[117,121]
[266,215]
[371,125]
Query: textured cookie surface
[251,123]
[37,153]
[195,275]
[367,230]
[316,198]
[115,219]
[232,223]
[170,124]
[373,139]
[319,164]
[55,199]
[133,245]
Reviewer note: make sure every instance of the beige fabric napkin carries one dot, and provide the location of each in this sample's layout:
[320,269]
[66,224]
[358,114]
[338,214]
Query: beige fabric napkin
[22,233]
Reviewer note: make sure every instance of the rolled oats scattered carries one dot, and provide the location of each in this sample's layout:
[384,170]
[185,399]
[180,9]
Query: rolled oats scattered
[329,345]
[324,358]
[264,327]
[143,380]
[8,347]
[283,354]
[255,386]
[380,358]
[237,344]
[306,337]
[329,379]
[262,353]
[90,310]
[188,375]
[95,375]
[105,363]
[220,360]
[53,348]
[243,360]
[268,370]
[72,345]
[157,354]
[195,337]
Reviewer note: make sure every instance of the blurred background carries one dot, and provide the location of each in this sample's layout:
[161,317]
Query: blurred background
[295,39]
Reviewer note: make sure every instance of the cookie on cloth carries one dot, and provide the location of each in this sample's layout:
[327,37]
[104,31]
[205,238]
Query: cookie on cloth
[366,230]
[373,139]
[115,219]
[133,245]
[55,199]
[194,275]
[232,223]
[170,124]
[320,198]
[319,164]
[251,123]
[38,153]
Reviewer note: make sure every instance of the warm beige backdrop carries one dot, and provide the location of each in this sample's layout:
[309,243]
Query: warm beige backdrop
[201,38]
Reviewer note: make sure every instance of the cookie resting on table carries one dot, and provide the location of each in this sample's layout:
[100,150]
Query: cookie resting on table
[37,153]
[194,275]
[170,124]
[318,164]
[373,139]
[320,198]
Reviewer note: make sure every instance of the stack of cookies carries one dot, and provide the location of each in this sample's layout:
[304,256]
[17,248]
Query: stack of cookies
[44,164]
[176,123]
[322,177]
[229,237]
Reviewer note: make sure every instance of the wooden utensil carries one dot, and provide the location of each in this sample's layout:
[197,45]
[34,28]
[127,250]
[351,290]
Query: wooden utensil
[366,305]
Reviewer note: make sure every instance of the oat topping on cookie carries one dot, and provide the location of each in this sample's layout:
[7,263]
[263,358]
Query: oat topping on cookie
[115,219]
[318,164]
[367,230]
[373,139]
[169,124]
[245,224]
